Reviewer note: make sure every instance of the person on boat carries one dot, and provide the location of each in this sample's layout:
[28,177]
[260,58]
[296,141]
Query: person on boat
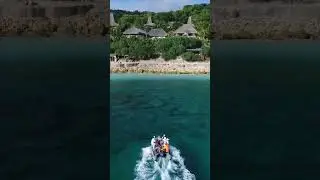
[166,147]
[164,150]
[166,140]
[157,152]
[159,141]
[155,146]
[153,142]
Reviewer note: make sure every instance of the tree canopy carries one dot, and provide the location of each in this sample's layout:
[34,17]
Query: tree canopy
[169,21]
[168,48]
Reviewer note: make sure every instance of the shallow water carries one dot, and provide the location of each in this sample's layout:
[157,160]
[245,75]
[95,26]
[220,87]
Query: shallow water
[147,105]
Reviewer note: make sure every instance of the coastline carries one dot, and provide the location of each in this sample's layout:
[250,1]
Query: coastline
[158,66]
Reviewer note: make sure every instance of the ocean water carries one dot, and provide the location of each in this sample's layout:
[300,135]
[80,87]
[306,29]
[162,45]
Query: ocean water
[54,109]
[265,110]
[146,105]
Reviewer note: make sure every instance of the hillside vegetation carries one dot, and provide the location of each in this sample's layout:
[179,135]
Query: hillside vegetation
[170,47]
[168,21]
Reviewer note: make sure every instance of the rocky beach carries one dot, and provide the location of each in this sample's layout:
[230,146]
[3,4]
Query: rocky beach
[159,66]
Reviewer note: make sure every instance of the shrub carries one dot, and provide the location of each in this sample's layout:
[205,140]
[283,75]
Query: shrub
[169,55]
[144,48]
[205,51]
[191,57]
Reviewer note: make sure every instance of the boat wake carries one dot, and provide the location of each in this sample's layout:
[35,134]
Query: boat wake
[164,169]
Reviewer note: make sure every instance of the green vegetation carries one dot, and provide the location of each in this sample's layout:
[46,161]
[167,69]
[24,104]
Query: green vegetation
[168,48]
[168,21]
[189,56]
[134,48]
[172,47]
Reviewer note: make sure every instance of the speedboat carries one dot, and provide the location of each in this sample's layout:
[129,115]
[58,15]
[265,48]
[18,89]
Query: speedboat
[160,148]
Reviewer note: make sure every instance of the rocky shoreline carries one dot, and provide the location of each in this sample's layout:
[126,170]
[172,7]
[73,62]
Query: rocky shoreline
[160,67]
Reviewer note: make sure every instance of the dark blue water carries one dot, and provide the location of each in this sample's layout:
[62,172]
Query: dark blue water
[266,101]
[54,109]
[143,106]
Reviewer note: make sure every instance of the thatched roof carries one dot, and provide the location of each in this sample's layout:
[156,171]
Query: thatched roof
[187,28]
[190,21]
[112,21]
[149,22]
[157,33]
[134,31]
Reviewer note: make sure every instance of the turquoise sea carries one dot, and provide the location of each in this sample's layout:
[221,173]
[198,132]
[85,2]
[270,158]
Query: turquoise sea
[146,105]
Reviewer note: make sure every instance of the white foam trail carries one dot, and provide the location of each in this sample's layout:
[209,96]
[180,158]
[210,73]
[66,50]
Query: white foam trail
[147,168]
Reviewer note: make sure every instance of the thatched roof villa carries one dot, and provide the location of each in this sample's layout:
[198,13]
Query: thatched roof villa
[157,33]
[187,29]
[149,22]
[153,33]
[133,31]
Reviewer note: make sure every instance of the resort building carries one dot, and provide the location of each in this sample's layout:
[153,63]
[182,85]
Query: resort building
[187,29]
[135,32]
[153,33]
[157,33]
[149,22]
